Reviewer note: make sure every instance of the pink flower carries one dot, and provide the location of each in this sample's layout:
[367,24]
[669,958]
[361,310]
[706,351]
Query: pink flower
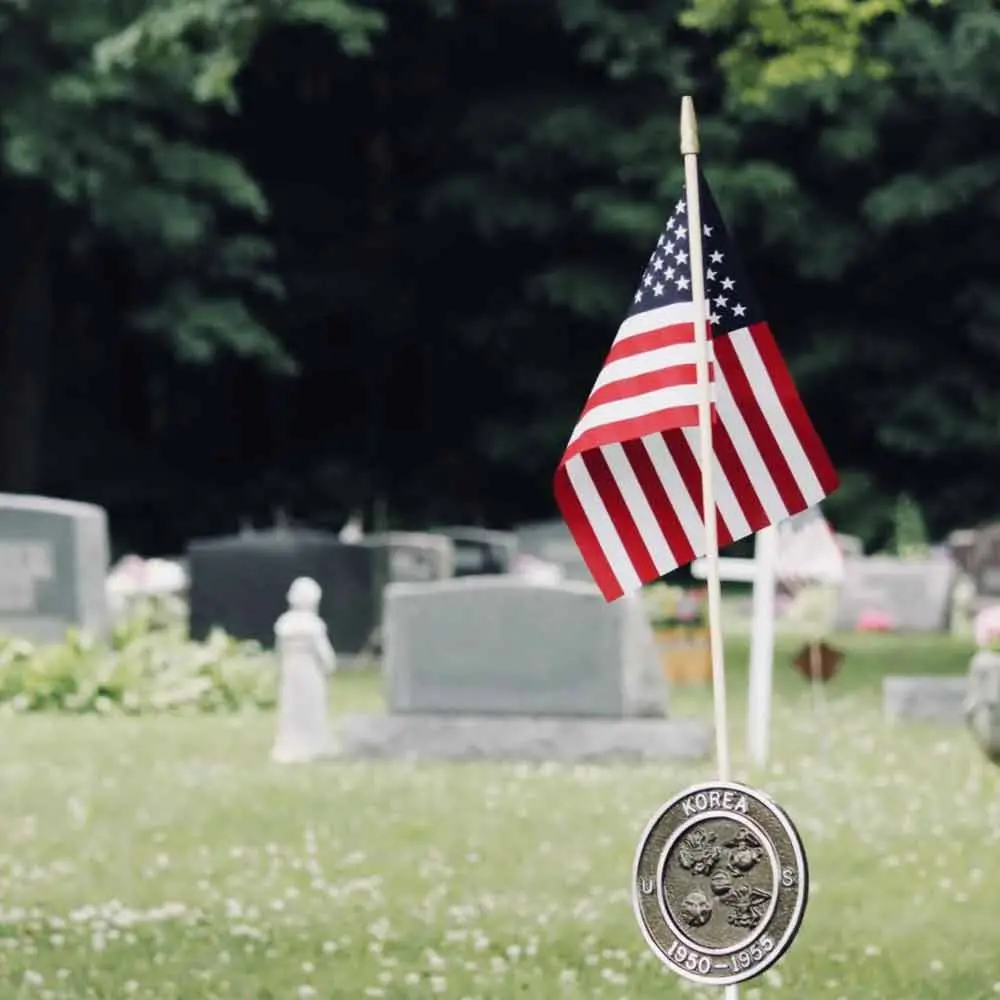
[987,626]
[874,621]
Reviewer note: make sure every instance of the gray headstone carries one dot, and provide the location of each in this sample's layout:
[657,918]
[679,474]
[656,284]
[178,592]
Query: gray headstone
[413,556]
[914,594]
[961,545]
[985,560]
[54,558]
[925,699]
[501,645]
[850,545]
[479,551]
[239,583]
[551,541]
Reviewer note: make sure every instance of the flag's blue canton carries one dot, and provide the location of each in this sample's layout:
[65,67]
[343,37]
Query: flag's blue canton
[667,278]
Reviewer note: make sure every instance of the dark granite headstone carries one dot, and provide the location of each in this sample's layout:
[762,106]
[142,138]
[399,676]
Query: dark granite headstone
[53,567]
[914,595]
[479,551]
[240,583]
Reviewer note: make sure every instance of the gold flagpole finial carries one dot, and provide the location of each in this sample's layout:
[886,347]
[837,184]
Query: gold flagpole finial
[689,128]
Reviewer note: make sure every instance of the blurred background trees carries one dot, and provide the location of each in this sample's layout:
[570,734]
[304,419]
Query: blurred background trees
[331,255]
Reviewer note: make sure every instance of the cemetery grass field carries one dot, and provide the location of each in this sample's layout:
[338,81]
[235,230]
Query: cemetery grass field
[167,858]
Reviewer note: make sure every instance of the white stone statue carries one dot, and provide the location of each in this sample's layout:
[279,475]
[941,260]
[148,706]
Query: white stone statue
[353,530]
[963,598]
[306,660]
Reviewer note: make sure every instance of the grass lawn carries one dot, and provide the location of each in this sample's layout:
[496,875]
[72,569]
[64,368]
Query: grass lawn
[167,858]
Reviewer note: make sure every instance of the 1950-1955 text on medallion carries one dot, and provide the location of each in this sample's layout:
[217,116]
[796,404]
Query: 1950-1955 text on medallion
[720,883]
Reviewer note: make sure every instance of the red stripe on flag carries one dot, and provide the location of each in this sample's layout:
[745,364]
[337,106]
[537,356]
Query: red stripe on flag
[636,385]
[659,501]
[760,430]
[739,479]
[781,379]
[584,535]
[651,340]
[621,516]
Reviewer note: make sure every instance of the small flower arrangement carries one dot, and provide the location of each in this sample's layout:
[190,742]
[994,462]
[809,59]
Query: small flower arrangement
[986,628]
[990,641]
[675,607]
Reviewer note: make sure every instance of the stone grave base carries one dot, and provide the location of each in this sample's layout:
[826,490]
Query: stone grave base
[925,699]
[524,738]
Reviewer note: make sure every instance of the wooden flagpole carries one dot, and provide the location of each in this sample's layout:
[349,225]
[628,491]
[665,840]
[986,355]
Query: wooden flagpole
[690,148]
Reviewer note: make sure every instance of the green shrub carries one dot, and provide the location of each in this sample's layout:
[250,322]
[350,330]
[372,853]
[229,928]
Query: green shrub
[147,664]
[910,539]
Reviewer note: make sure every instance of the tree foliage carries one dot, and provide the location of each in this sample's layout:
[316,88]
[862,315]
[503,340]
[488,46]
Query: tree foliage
[770,45]
[458,220]
[118,188]
[107,110]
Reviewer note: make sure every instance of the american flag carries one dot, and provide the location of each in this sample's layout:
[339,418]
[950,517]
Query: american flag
[629,483]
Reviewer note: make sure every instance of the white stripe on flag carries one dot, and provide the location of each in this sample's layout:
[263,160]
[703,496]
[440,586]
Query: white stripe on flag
[657,360]
[654,319]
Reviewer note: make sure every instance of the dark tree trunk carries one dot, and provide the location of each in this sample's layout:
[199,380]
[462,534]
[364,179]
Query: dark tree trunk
[25,331]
